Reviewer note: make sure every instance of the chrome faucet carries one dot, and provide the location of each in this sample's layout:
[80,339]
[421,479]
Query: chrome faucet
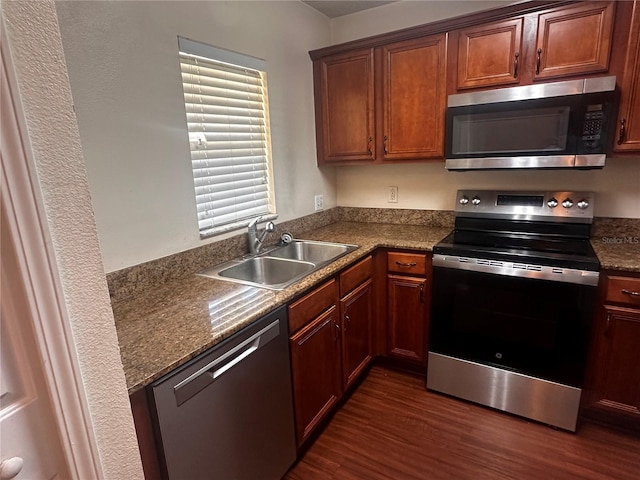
[255,240]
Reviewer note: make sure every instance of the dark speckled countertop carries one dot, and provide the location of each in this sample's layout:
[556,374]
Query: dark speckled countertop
[167,325]
[164,326]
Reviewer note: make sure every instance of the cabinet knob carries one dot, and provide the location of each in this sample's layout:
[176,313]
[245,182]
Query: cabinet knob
[515,65]
[623,132]
[539,54]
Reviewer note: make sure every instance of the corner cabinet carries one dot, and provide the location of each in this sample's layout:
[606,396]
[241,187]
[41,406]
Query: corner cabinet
[628,133]
[613,380]
[381,105]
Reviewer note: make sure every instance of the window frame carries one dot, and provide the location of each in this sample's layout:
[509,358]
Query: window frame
[218,58]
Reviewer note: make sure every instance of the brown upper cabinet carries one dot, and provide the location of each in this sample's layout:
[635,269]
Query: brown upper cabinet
[382,99]
[383,104]
[489,55]
[628,133]
[556,43]
[345,128]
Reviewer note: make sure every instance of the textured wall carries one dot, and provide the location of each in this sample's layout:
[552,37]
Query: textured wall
[125,79]
[36,48]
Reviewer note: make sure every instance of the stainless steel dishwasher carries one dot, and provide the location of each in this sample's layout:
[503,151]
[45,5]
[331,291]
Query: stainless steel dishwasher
[228,413]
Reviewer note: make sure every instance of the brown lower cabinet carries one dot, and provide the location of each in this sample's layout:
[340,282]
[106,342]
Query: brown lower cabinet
[333,345]
[613,381]
[408,303]
[315,367]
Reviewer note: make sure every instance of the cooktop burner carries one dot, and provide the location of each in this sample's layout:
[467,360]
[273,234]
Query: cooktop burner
[532,228]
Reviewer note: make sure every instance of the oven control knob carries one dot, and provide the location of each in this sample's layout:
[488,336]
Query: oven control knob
[582,204]
[553,203]
[567,203]
[475,200]
[464,200]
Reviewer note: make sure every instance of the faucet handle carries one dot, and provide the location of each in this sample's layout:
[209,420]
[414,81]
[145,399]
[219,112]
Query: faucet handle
[269,227]
[254,222]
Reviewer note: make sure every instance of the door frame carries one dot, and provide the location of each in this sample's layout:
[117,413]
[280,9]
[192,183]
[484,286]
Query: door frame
[28,228]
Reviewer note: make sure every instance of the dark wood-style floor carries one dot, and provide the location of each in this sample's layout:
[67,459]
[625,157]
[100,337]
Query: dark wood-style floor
[392,428]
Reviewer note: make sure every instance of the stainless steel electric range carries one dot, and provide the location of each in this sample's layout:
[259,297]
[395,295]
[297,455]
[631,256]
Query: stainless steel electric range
[513,296]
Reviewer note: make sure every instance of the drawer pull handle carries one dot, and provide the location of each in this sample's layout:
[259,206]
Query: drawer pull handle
[403,264]
[538,61]
[515,65]
[629,292]
[607,325]
[422,293]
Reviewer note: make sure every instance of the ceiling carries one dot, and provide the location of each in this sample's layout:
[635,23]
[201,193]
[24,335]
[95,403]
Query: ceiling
[338,8]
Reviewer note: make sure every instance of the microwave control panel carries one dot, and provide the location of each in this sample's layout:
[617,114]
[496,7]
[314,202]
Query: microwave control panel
[593,127]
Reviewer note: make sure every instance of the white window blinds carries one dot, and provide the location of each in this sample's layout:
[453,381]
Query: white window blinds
[228,126]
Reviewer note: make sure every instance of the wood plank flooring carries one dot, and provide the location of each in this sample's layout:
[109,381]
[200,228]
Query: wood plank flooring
[392,428]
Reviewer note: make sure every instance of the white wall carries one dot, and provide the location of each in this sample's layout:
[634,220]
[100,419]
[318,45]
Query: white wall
[430,186]
[56,153]
[122,59]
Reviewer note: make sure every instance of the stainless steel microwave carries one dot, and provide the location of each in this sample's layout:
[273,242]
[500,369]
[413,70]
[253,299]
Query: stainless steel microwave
[565,124]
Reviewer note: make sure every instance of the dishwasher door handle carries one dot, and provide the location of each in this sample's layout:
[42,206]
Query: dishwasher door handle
[208,374]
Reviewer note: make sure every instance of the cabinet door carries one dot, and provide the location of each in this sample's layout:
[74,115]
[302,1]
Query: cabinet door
[574,40]
[489,55]
[414,98]
[357,317]
[628,134]
[315,366]
[346,125]
[618,380]
[407,320]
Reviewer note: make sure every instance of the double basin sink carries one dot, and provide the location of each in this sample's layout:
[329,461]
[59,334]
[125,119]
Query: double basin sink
[281,266]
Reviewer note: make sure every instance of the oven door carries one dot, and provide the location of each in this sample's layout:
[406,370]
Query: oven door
[536,327]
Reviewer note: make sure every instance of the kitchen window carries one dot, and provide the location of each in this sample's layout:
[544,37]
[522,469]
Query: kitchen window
[225,97]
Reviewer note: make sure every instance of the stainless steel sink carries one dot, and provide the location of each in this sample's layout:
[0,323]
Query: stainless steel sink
[267,270]
[310,251]
[281,266]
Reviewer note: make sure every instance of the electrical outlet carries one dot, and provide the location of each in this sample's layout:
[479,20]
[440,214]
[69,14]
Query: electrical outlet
[393,195]
[319,202]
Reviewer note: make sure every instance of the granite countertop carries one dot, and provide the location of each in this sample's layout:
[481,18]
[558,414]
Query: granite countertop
[618,253]
[167,325]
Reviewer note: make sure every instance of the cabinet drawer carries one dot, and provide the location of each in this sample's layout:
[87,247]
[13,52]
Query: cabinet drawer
[313,304]
[625,290]
[410,263]
[354,276]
